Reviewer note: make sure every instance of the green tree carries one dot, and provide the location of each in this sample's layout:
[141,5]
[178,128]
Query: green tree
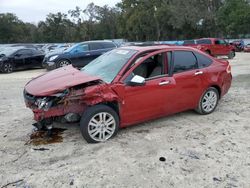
[234,18]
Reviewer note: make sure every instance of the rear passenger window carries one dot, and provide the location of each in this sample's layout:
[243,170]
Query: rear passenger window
[203,60]
[184,61]
[108,45]
[96,46]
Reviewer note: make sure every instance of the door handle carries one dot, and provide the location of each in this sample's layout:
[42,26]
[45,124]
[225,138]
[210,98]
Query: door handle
[198,73]
[87,54]
[164,83]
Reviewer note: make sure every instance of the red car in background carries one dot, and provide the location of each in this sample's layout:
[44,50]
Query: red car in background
[247,48]
[213,46]
[129,85]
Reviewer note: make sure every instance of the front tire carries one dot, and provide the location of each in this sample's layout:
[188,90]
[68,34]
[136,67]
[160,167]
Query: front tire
[63,63]
[208,101]
[7,67]
[99,123]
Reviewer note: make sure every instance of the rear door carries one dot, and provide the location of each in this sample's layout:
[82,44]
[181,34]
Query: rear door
[188,78]
[96,49]
[29,59]
[79,56]
[35,59]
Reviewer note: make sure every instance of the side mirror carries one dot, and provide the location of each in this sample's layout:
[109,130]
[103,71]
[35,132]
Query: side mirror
[136,81]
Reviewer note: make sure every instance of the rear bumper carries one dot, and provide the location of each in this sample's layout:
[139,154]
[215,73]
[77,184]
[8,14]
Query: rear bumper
[226,84]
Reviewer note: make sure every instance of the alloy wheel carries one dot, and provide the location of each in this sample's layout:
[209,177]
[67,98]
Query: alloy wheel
[8,68]
[63,63]
[209,101]
[101,126]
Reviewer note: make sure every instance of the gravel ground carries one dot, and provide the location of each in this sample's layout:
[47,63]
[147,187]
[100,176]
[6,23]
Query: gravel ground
[196,151]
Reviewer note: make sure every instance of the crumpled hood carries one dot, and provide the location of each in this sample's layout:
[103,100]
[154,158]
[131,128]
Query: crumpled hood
[57,81]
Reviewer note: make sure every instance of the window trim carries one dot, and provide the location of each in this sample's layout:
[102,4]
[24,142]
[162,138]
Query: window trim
[130,69]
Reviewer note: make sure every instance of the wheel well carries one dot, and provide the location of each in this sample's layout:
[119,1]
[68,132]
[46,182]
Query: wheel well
[218,89]
[114,105]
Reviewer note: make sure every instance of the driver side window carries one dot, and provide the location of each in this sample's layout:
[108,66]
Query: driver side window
[151,67]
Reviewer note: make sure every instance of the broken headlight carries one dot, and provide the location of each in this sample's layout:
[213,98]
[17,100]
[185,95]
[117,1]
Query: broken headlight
[46,102]
[43,103]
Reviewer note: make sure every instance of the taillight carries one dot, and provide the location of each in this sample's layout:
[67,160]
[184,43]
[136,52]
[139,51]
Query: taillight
[228,69]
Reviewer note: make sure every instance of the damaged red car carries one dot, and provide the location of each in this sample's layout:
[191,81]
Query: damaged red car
[126,86]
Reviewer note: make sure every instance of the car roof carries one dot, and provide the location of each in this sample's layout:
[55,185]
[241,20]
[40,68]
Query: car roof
[210,38]
[158,47]
[96,41]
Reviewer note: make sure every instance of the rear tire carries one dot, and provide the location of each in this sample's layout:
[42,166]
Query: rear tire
[99,123]
[208,101]
[7,67]
[231,55]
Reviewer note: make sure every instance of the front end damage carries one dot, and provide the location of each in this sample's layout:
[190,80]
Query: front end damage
[69,104]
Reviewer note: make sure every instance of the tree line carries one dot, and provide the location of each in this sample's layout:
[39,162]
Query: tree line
[135,20]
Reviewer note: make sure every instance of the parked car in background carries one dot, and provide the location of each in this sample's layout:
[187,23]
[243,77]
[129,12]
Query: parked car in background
[238,44]
[24,45]
[52,53]
[79,54]
[127,86]
[214,47]
[13,58]
[247,48]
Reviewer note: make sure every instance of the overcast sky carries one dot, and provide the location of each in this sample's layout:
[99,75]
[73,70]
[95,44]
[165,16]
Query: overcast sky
[36,10]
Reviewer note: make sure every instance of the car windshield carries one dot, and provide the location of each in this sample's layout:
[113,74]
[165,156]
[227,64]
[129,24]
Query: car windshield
[108,65]
[8,51]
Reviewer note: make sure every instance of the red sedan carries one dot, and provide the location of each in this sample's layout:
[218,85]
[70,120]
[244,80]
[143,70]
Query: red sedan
[126,86]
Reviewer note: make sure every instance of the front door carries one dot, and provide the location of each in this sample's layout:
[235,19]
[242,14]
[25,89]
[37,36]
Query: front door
[149,101]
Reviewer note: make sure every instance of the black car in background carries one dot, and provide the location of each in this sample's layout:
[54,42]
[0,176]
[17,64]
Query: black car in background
[78,55]
[13,58]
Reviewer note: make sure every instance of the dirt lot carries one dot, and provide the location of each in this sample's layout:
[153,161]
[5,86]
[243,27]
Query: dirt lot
[200,151]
